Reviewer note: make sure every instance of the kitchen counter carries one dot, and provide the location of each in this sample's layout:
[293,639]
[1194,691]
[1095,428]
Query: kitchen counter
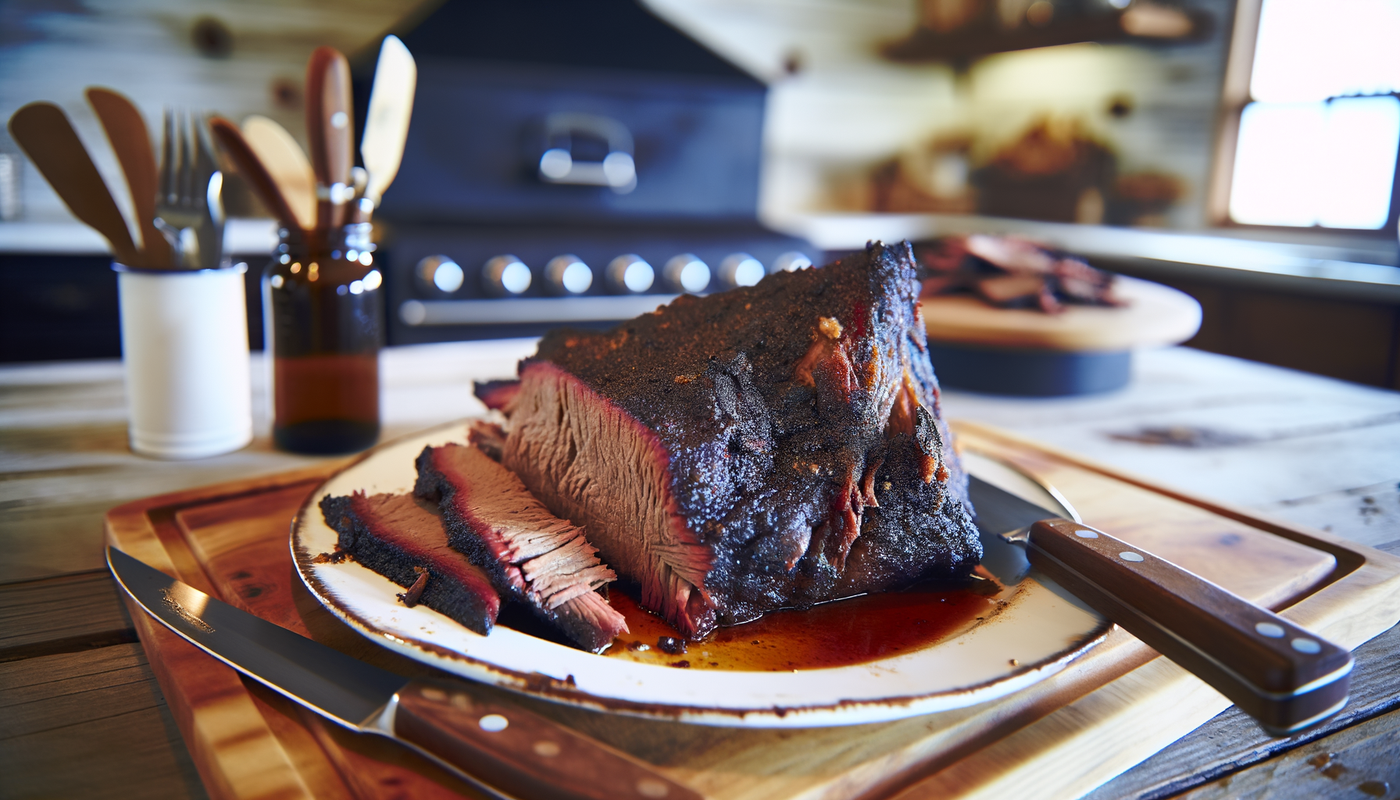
[83,716]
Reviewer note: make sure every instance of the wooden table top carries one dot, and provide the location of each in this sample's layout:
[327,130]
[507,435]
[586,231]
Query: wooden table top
[81,714]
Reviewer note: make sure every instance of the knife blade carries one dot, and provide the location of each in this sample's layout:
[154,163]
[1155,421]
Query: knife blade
[505,750]
[1284,676]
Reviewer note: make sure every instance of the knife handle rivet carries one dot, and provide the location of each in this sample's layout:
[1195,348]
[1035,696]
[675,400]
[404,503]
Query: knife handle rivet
[546,748]
[651,787]
[1309,646]
[1270,629]
[1128,555]
[493,723]
[436,695]
[1083,534]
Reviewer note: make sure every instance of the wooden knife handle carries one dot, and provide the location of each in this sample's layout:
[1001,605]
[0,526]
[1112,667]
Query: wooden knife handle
[522,753]
[1286,677]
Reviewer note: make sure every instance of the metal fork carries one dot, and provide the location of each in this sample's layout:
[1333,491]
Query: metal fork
[189,205]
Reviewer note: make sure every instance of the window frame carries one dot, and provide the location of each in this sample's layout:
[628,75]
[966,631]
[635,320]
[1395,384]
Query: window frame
[1234,96]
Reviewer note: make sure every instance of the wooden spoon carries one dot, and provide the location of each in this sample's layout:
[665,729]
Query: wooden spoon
[386,123]
[330,130]
[286,163]
[253,171]
[48,138]
[131,141]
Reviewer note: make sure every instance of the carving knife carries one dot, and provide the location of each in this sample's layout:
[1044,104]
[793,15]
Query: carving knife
[502,749]
[1282,675]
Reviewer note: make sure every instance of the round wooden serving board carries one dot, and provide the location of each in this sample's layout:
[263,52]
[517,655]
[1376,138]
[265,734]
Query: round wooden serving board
[1153,316]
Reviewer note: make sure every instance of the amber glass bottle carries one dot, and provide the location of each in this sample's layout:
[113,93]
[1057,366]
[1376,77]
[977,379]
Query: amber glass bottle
[324,322]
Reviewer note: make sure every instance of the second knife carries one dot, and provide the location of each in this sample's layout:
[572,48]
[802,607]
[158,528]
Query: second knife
[1286,677]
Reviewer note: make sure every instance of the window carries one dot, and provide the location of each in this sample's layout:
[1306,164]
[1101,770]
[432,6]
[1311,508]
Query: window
[1312,124]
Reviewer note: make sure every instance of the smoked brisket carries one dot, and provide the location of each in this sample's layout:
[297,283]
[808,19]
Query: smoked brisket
[773,446]
[392,535]
[531,555]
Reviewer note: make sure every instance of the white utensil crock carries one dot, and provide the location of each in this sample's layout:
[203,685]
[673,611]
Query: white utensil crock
[185,348]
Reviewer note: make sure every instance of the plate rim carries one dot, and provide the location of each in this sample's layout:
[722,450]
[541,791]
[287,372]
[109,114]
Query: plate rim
[839,711]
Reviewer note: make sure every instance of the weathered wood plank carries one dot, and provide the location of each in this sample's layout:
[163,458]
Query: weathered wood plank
[90,725]
[1251,434]
[64,459]
[60,615]
[1232,741]
[1359,762]
[1367,514]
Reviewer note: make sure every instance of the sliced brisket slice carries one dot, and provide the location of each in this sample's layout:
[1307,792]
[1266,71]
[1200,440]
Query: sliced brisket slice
[531,555]
[394,536]
[772,446]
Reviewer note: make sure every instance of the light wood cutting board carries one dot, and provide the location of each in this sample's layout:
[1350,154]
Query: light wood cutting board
[1152,315]
[1108,711]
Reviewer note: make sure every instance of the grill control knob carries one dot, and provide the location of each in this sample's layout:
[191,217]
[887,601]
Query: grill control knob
[440,274]
[741,269]
[687,273]
[567,274]
[505,276]
[630,274]
[791,261]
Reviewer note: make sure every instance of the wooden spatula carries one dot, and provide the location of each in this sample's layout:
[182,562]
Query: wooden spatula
[386,124]
[131,141]
[43,131]
[251,168]
[286,163]
[330,129]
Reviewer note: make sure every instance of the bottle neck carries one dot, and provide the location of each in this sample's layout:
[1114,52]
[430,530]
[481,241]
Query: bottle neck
[334,242]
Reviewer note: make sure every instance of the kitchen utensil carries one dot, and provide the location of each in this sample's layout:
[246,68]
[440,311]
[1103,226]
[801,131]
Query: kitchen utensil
[130,140]
[254,171]
[498,747]
[189,208]
[285,162]
[48,138]
[386,123]
[330,131]
[1285,677]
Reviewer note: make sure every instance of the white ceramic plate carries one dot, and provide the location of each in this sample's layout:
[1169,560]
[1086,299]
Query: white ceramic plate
[1033,635]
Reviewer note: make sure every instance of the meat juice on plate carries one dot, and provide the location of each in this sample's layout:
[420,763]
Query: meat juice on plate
[836,634]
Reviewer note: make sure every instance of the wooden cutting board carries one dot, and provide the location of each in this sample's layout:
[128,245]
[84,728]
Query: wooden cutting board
[1111,709]
[1151,315]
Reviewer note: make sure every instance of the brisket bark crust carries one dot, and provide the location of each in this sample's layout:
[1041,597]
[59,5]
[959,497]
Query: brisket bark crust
[531,555]
[392,535]
[772,446]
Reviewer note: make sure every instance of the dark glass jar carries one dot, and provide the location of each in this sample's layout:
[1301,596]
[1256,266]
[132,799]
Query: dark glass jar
[324,322]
